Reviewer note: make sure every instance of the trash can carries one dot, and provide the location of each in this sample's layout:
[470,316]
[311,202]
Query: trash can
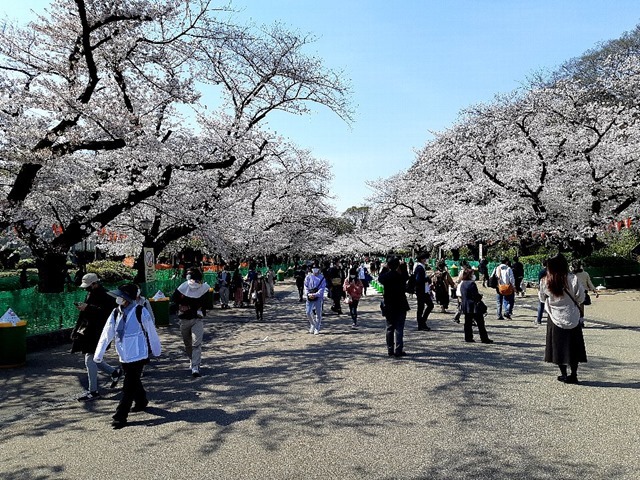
[453,271]
[280,275]
[13,344]
[160,309]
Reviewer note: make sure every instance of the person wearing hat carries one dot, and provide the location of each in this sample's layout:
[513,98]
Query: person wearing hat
[93,315]
[191,300]
[136,340]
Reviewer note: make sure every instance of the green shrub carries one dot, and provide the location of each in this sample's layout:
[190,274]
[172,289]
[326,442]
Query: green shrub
[607,261]
[111,272]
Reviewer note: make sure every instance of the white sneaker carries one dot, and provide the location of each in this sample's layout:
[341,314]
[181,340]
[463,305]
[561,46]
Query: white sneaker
[195,372]
[311,329]
[316,331]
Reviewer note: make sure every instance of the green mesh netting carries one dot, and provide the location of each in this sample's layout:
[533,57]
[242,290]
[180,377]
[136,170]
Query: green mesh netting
[48,312]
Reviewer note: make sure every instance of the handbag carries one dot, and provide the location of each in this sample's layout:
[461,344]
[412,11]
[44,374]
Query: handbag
[587,298]
[481,308]
[505,289]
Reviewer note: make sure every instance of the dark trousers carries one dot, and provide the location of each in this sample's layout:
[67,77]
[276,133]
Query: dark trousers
[259,308]
[424,300]
[132,389]
[353,310]
[468,326]
[300,286]
[336,296]
[395,331]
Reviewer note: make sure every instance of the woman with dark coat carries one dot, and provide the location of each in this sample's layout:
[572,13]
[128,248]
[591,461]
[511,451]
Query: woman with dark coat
[471,305]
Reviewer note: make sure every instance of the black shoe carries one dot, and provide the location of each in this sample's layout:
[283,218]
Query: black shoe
[487,340]
[500,318]
[507,316]
[118,424]
[115,377]
[424,328]
[390,353]
[562,378]
[400,354]
[572,379]
[140,407]
[470,341]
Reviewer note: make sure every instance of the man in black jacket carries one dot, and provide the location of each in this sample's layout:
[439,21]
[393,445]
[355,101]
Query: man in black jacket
[94,312]
[396,305]
[423,293]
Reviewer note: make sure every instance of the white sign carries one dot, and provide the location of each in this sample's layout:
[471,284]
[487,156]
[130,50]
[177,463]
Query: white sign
[10,317]
[149,265]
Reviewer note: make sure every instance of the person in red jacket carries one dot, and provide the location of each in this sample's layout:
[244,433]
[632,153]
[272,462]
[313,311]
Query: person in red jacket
[353,287]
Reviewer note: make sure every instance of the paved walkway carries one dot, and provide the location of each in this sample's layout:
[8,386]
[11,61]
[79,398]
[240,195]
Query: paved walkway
[278,403]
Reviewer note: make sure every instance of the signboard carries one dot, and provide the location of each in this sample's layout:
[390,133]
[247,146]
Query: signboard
[149,265]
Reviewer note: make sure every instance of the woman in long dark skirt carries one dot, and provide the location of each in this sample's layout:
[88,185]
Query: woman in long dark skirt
[562,294]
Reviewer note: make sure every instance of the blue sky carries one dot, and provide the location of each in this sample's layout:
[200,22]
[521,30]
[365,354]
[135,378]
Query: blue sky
[415,64]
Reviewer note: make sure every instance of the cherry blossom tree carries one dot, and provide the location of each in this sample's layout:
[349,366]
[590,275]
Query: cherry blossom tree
[89,111]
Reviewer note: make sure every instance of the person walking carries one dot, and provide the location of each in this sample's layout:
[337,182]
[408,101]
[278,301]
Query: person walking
[472,307]
[442,281]
[191,301]
[587,285]
[562,294]
[505,291]
[299,274]
[314,287]
[541,275]
[270,280]
[396,306]
[224,282]
[237,286]
[136,340]
[518,273]
[335,277]
[258,293]
[353,288]
[94,312]
[423,292]
[483,269]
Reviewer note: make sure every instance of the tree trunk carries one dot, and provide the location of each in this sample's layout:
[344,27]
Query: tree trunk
[52,272]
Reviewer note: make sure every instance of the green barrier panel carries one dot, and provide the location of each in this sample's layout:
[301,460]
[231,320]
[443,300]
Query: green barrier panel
[13,344]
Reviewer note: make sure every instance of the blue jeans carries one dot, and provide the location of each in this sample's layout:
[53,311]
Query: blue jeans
[540,312]
[92,370]
[507,301]
[353,310]
[395,331]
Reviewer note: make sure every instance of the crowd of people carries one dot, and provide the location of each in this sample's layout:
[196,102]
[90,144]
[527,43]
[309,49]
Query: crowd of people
[124,317]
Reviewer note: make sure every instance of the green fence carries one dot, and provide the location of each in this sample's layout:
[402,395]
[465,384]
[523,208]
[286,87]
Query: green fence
[48,312]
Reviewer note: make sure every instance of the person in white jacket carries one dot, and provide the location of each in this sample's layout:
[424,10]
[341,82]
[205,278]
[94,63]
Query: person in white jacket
[136,340]
[562,293]
[314,286]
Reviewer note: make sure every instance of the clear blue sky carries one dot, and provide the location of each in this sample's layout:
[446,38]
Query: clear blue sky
[415,64]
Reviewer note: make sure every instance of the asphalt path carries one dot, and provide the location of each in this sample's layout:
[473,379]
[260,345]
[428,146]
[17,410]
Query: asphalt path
[277,403]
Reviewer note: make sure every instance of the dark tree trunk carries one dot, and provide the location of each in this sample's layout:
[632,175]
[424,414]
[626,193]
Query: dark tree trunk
[52,272]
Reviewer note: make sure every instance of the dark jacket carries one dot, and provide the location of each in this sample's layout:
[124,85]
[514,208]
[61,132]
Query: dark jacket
[518,269]
[470,296]
[395,299]
[86,333]
[421,280]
